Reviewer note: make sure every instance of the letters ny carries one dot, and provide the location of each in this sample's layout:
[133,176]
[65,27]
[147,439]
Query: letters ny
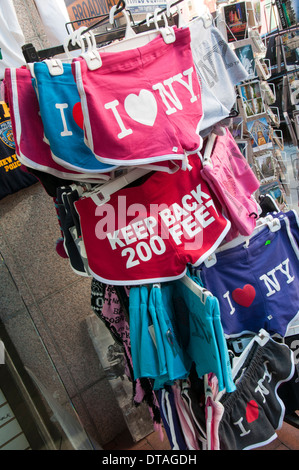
[271,281]
[143,108]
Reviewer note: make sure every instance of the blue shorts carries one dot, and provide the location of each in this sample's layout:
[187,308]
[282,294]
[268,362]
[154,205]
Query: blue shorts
[257,284]
[155,351]
[198,328]
[60,110]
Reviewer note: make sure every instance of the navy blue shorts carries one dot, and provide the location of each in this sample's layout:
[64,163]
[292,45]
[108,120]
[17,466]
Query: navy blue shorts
[257,284]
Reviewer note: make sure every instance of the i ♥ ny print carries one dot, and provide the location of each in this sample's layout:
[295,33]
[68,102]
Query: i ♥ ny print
[142,105]
[257,285]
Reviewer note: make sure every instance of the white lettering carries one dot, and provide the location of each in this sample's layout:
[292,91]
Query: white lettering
[198,194]
[139,228]
[261,387]
[61,107]
[202,216]
[274,282]
[144,251]
[270,282]
[113,239]
[191,207]
[150,222]
[128,235]
[124,132]
[167,217]
[286,271]
[189,86]
[242,428]
[227,297]
[188,224]
[176,233]
[171,97]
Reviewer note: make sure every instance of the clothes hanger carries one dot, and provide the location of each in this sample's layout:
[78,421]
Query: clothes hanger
[261,339]
[141,39]
[206,157]
[198,290]
[101,194]
[181,22]
[130,33]
[272,222]
[205,17]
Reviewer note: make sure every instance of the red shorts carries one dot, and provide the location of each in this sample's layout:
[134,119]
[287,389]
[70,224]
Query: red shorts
[149,233]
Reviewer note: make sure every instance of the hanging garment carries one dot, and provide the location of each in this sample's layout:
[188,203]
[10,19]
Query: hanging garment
[254,412]
[61,113]
[178,222]
[186,419]
[213,412]
[54,16]
[292,222]
[148,354]
[219,70]
[106,305]
[142,105]
[178,364]
[196,318]
[171,420]
[68,225]
[11,38]
[256,283]
[28,130]
[155,351]
[230,177]
[289,391]
[12,176]
[196,409]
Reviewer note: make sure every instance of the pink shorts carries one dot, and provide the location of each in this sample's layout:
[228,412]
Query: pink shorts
[150,232]
[233,182]
[28,130]
[142,105]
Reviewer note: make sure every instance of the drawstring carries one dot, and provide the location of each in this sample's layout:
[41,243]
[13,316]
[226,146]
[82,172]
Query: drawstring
[185,163]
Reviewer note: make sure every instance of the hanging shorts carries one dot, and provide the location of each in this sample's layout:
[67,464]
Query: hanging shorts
[292,222]
[61,113]
[142,105]
[254,411]
[171,420]
[146,343]
[256,284]
[234,183]
[149,233]
[198,328]
[155,351]
[219,70]
[28,130]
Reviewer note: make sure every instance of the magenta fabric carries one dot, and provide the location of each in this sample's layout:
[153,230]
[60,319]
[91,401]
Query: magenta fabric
[27,125]
[233,182]
[151,232]
[142,105]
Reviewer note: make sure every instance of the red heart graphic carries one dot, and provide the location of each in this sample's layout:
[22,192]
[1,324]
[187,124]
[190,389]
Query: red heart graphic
[244,296]
[252,411]
[78,115]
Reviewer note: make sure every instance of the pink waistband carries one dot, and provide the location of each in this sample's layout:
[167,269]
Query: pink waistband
[140,56]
